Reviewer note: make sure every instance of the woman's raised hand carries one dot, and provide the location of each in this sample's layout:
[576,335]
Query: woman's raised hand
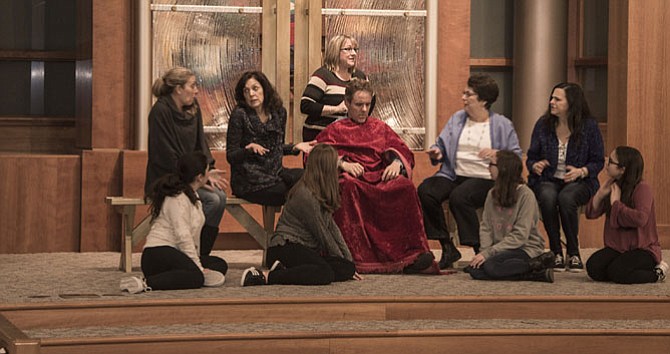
[306,146]
[256,149]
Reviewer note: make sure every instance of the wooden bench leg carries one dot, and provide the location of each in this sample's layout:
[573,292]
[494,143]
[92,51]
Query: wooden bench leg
[126,261]
[269,226]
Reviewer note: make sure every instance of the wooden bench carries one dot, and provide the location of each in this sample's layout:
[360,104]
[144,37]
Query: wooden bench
[133,235]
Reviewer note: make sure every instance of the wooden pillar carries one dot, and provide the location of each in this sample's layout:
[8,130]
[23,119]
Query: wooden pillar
[639,92]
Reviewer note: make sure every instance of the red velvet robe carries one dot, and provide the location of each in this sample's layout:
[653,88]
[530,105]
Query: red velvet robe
[381,221]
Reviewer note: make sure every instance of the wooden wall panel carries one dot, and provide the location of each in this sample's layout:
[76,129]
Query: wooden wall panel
[638,92]
[100,177]
[39,208]
[112,74]
[38,139]
[453,58]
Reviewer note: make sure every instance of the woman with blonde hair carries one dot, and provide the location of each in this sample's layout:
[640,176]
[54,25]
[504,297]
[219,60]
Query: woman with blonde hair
[307,247]
[176,129]
[323,98]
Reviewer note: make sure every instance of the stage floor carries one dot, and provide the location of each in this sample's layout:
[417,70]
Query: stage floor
[67,277]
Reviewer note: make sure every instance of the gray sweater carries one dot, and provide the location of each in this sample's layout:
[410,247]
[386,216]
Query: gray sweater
[511,228]
[304,221]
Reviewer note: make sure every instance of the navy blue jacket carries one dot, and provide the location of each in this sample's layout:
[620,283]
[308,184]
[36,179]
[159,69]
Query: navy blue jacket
[588,153]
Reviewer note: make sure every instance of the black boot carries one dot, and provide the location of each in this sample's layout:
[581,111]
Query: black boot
[207,238]
[545,275]
[450,253]
[543,261]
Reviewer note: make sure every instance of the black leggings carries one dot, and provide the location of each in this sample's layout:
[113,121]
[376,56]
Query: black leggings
[631,267]
[167,268]
[306,267]
[276,195]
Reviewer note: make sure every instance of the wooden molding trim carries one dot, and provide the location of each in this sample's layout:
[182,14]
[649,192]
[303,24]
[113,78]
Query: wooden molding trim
[40,55]
[588,62]
[37,121]
[491,62]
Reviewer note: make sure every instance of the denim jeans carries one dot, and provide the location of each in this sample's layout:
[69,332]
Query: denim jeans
[505,265]
[558,199]
[213,205]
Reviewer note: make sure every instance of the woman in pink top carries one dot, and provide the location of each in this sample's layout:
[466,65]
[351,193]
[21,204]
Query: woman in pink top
[632,254]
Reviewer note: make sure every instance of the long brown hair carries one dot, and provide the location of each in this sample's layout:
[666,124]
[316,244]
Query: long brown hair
[578,111]
[321,177]
[188,167]
[631,159]
[509,178]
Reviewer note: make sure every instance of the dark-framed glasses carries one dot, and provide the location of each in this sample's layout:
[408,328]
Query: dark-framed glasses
[350,50]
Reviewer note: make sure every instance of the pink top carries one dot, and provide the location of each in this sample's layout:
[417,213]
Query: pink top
[629,228]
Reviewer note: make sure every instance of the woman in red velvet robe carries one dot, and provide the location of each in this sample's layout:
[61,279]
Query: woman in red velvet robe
[380,215]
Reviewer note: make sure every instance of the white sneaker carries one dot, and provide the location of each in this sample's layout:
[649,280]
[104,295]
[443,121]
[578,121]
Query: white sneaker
[277,266]
[662,270]
[133,285]
[213,278]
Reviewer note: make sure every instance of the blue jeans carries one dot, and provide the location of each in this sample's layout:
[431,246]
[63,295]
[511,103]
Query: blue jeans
[506,265]
[213,205]
[559,199]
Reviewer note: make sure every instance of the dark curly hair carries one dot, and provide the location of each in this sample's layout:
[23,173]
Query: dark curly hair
[271,101]
[188,167]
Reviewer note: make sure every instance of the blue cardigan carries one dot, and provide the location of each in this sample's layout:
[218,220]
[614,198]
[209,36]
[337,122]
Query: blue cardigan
[589,153]
[503,137]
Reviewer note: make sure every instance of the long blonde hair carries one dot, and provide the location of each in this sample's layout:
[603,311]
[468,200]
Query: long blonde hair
[321,177]
[331,59]
[165,85]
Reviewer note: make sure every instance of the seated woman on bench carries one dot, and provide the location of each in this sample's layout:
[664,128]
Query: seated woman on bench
[171,259]
[308,248]
[175,129]
[255,143]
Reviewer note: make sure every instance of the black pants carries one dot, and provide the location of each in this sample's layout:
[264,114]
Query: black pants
[559,199]
[276,195]
[465,196]
[306,267]
[631,267]
[506,265]
[167,268]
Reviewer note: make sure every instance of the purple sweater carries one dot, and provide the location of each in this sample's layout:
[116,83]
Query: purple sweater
[629,228]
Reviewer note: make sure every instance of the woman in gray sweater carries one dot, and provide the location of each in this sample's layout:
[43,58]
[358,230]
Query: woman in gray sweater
[511,246]
[307,247]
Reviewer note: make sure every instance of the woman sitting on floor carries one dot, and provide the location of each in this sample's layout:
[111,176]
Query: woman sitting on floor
[170,258]
[511,245]
[307,248]
[632,253]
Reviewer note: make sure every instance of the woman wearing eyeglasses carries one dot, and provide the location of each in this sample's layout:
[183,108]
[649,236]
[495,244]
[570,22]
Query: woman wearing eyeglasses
[464,149]
[323,98]
[632,253]
[565,155]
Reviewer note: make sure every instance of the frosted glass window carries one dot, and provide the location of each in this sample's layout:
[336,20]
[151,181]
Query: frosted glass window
[392,55]
[219,47]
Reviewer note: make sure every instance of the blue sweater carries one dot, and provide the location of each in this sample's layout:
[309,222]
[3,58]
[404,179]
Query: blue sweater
[589,153]
[503,137]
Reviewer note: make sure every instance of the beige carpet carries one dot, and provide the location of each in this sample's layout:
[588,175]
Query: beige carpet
[53,277]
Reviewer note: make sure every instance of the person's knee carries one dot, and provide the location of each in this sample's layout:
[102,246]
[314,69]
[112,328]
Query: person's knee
[566,201]
[595,270]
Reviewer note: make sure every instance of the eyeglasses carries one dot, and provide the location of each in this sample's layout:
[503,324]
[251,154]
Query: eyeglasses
[611,162]
[469,93]
[493,164]
[350,50]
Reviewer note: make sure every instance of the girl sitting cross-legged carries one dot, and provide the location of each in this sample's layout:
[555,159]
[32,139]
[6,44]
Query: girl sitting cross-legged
[511,246]
[307,248]
[632,253]
[171,259]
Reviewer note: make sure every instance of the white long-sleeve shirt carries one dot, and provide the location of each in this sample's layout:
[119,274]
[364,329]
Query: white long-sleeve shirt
[178,225]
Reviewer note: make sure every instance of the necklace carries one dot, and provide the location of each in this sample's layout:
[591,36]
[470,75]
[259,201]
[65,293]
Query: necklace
[475,136]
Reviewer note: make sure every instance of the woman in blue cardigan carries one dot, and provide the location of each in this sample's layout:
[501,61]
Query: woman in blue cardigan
[565,155]
[464,148]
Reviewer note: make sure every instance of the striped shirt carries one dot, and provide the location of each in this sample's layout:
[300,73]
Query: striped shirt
[324,88]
